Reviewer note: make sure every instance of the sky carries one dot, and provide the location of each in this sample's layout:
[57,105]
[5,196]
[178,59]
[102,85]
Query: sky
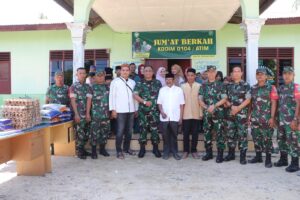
[282,9]
[30,11]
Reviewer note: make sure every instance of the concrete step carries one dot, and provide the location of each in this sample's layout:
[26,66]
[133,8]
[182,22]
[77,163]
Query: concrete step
[200,147]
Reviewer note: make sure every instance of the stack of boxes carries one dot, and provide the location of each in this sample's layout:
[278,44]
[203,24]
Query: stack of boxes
[24,113]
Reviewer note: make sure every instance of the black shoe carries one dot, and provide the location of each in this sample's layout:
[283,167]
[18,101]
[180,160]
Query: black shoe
[243,160]
[219,158]
[86,153]
[231,154]
[283,160]
[94,152]
[130,152]
[120,155]
[268,163]
[156,151]
[142,151]
[81,154]
[165,156]
[294,166]
[256,159]
[208,155]
[102,151]
[176,156]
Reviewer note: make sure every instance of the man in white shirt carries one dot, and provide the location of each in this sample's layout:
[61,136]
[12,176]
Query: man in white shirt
[123,107]
[170,102]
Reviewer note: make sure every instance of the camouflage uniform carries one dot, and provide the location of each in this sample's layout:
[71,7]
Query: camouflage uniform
[58,95]
[211,93]
[261,104]
[148,116]
[81,92]
[287,138]
[226,113]
[100,125]
[237,125]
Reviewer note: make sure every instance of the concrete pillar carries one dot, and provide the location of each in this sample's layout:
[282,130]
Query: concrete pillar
[78,34]
[251,25]
[79,29]
[252,29]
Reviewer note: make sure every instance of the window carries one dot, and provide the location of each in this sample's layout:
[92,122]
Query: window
[5,73]
[273,58]
[63,61]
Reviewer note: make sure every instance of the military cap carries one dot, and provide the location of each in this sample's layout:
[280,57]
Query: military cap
[209,67]
[261,70]
[100,72]
[59,73]
[288,69]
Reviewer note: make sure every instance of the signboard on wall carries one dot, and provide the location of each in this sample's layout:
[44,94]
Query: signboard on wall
[200,63]
[173,44]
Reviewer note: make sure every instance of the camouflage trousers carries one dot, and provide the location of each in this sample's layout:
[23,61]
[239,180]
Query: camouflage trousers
[237,129]
[211,123]
[288,140]
[148,124]
[262,138]
[100,130]
[82,133]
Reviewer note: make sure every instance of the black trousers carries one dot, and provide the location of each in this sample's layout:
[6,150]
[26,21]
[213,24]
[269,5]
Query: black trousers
[190,126]
[124,129]
[169,133]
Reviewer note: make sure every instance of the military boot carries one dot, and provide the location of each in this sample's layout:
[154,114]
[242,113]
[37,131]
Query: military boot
[243,160]
[81,154]
[156,151]
[94,152]
[219,158]
[142,151]
[256,159]
[231,154]
[208,155]
[294,166]
[283,160]
[102,151]
[268,163]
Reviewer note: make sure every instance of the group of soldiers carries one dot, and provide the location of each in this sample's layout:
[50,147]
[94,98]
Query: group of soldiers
[228,110]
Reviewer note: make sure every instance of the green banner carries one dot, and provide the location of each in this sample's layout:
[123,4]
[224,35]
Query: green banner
[173,44]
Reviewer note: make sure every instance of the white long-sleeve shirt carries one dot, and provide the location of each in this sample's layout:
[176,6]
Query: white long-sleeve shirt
[121,97]
[171,98]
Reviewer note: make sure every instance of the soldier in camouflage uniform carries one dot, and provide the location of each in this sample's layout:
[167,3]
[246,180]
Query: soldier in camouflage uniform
[58,92]
[100,125]
[238,92]
[212,96]
[79,93]
[263,107]
[146,93]
[289,97]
